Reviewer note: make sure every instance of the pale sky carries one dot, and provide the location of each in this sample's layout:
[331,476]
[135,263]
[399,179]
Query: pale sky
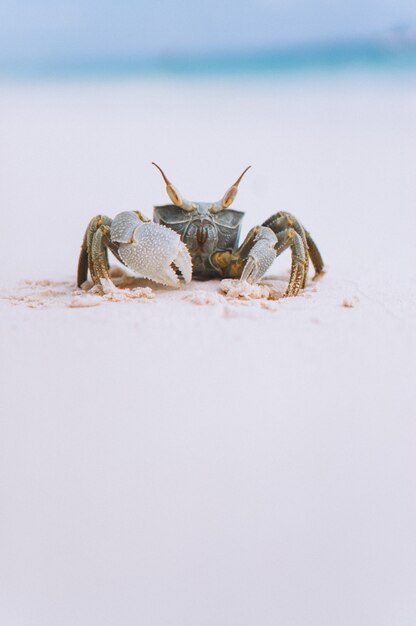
[39,29]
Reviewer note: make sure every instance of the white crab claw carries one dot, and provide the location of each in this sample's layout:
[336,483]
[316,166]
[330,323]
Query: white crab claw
[261,256]
[154,251]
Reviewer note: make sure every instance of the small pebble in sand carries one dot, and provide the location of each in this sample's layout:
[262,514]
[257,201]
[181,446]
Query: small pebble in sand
[349,303]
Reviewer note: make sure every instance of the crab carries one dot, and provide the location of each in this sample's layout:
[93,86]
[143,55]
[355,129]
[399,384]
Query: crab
[196,239]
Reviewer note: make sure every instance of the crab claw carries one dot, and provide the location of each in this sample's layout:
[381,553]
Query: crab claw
[261,255]
[154,252]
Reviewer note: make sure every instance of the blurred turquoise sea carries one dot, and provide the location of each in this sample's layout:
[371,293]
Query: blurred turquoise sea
[328,58]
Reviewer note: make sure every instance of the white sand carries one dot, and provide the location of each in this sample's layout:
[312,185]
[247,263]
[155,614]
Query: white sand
[193,458]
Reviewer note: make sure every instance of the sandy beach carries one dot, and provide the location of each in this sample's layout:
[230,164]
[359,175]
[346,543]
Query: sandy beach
[191,458]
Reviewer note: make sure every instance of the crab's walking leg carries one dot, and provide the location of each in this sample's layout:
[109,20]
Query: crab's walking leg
[99,267]
[263,244]
[315,256]
[82,271]
[282,221]
[93,255]
[299,270]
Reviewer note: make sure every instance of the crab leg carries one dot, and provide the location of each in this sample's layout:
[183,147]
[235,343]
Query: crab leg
[263,244]
[99,266]
[85,261]
[283,220]
[290,238]
[315,256]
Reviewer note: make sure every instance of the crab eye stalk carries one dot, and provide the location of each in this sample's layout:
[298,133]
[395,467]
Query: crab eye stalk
[173,193]
[229,195]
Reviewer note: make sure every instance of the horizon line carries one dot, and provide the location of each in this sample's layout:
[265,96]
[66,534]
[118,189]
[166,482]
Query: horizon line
[326,55]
